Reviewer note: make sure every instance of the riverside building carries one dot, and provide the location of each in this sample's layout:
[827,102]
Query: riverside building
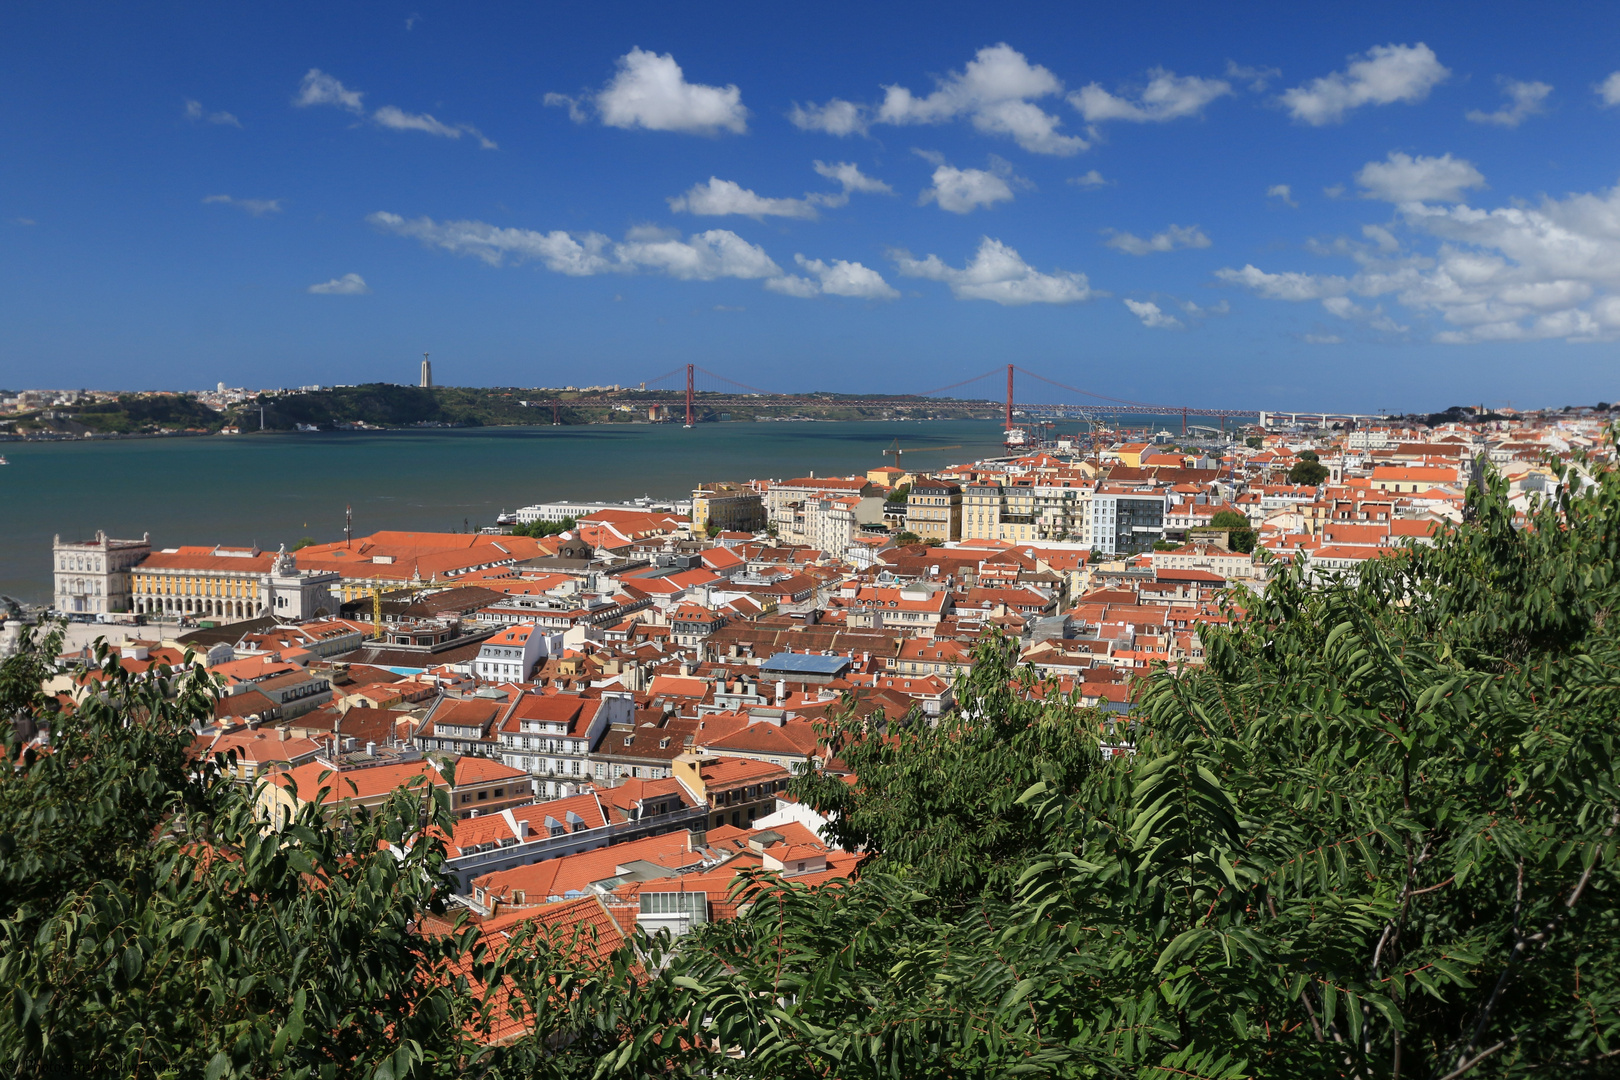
[92,576]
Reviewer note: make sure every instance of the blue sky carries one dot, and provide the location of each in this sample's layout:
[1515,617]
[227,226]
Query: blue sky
[1350,206]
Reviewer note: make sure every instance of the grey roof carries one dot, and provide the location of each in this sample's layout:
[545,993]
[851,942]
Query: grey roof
[805,664]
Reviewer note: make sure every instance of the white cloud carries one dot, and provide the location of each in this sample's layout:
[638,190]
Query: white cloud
[650,91]
[838,278]
[347,285]
[1609,89]
[1258,78]
[719,198]
[1286,286]
[998,273]
[1157,317]
[1322,339]
[995,92]
[837,117]
[1173,237]
[961,190]
[1090,179]
[1384,75]
[399,120]
[1167,96]
[1525,99]
[256,207]
[1515,273]
[1283,193]
[198,115]
[1192,309]
[1345,308]
[1403,178]
[705,256]
[850,178]
[319,88]
[1152,315]
[794,285]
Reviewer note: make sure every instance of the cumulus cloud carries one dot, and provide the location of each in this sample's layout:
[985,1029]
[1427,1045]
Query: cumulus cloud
[399,120]
[1156,316]
[962,190]
[1258,78]
[849,176]
[1091,179]
[1608,91]
[1515,273]
[719,198]
[1524,99]
[705,256]
[1173,237]
[319,88]
[999,274]
[838,278]
[347,285]
[1383,75]
[1282,193]
[1152,315]
[837,117]
[256,207]
[198,115]
[996,91]
[1166,96]
[650,91]
[1402,178]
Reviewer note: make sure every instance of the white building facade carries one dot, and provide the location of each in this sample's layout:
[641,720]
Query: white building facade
[92,576]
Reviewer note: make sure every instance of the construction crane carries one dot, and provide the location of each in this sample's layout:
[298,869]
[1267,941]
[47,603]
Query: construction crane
[376,604]
[897,450]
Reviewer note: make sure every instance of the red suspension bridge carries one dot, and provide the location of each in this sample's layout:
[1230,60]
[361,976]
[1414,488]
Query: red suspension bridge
[1073,401]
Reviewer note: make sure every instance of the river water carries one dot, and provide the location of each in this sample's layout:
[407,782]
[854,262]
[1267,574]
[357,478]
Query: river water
[274,489]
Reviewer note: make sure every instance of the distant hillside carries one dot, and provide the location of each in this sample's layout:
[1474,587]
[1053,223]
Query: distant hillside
[389,405]
[127,415]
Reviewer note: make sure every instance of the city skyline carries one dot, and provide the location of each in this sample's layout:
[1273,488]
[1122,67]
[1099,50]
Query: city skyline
[1377,209]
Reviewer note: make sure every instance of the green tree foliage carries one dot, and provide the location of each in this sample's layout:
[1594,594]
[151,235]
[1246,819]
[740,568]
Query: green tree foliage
[151,926]
[130,413]
[1240,536]
[1307,470]
[906,536]
[1254,442]
[1375,836]
[539,529]
[899,495]
[939,804]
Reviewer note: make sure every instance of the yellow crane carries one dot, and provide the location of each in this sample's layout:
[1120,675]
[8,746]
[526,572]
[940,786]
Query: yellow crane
[376,604]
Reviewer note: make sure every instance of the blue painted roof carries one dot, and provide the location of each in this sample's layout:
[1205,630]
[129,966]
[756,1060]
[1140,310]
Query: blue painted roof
[805,663]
